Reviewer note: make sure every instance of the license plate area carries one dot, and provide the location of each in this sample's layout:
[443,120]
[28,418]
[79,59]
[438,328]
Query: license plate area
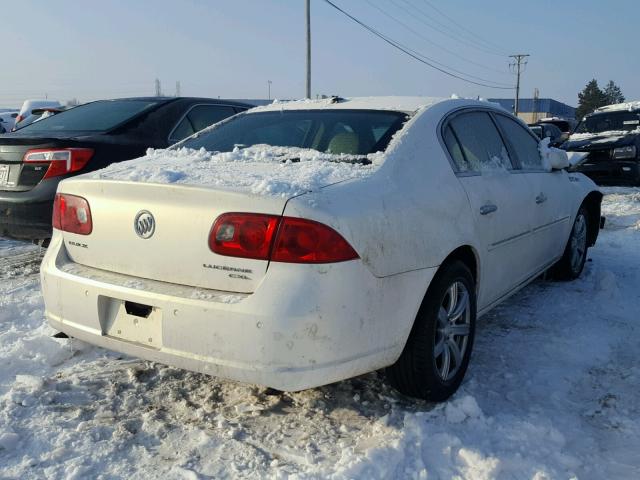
[130,321]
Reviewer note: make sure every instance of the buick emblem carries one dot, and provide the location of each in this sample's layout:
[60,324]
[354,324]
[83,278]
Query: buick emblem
[144,224]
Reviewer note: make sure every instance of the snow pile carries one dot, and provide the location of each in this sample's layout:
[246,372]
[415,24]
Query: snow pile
[551,155]
[551,392]
[629,106]
[610,135]
[259,169]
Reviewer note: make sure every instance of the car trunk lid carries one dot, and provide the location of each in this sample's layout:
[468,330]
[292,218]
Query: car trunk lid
[177,251]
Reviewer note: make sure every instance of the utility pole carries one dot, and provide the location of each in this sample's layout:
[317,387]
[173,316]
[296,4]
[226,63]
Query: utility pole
[158,89]
[178,88]
[269,82]
[518,65]
[308,14]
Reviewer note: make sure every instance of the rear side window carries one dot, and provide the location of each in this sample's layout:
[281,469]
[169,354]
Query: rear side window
[456,152]
[200,117]
[523,143]
[480,142]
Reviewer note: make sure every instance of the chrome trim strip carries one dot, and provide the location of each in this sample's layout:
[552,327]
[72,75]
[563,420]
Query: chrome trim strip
[550,224]
[499,243]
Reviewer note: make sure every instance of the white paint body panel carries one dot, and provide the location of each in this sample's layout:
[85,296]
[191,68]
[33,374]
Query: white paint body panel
[296,326]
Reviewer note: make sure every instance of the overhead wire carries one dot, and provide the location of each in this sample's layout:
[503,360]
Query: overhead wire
[446,32]
[437,45]
[414,54]
[477,37]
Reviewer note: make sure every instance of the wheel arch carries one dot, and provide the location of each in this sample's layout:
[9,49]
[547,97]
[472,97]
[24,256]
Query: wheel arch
[467,255]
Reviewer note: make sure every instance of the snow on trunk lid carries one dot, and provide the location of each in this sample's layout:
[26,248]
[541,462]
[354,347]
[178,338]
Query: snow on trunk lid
[175,247]
[260,169]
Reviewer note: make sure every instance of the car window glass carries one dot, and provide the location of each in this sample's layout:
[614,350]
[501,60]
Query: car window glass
[202,116]
[480,142]
[93,117]
[455,151]
[525,146]
[183,130]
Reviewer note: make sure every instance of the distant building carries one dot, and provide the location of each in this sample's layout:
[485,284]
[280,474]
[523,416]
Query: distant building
[533,109]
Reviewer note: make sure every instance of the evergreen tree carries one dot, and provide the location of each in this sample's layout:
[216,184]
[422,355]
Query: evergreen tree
[590,98]
[613,93]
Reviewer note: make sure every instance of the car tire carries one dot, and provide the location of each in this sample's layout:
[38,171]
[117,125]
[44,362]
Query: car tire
[436,355]
[570,266]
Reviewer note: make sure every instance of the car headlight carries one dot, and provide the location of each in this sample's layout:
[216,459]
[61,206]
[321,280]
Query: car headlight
[624,152]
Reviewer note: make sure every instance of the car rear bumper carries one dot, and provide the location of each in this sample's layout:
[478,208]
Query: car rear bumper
[27,215]
[304,326]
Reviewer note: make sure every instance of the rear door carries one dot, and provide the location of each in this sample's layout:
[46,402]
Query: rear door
[499,199]
[549,205]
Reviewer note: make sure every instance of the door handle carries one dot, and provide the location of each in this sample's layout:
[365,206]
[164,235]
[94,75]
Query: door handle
[541,198]
[487,209]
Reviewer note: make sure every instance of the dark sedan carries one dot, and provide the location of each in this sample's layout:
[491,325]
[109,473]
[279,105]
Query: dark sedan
[34,159]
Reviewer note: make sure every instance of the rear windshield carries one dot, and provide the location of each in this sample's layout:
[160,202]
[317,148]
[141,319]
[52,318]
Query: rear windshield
[92,117]
[610,121]
[352,132]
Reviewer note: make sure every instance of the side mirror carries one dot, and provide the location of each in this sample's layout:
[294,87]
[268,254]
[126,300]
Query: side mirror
[553,158]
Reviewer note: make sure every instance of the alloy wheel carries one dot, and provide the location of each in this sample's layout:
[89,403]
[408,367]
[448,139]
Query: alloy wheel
[452,331]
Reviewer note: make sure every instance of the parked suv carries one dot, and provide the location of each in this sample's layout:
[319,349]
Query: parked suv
[608,144]
[34,159]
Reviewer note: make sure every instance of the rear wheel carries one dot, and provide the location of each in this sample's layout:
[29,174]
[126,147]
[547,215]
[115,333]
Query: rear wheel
[570,266]
[435,358]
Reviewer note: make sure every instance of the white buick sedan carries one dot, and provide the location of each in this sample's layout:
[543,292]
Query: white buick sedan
[303,243]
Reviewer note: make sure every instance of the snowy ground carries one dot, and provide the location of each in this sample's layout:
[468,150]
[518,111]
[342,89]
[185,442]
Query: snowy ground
[552,392]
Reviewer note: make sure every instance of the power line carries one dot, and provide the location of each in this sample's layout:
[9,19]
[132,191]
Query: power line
[447,33]
[491,45]
[415,55]
[428,40]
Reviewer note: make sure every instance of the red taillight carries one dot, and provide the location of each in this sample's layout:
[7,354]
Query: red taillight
[61,160]
[306,241]
[245,235]
[72,214]
[279,239]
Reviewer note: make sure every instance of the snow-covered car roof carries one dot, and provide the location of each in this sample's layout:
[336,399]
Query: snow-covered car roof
[400,104]
[630,106]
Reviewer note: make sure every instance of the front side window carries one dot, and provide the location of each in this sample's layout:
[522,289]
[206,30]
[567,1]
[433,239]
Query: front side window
[524,145]
[480,142]
[352,132]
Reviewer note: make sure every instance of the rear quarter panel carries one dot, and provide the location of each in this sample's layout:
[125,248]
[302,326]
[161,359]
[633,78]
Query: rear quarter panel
[410,214]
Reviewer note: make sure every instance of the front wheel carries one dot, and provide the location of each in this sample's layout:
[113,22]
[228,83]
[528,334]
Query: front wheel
[570,266]
[435,358]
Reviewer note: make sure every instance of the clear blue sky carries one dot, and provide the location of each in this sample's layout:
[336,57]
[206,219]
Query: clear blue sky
[89,50]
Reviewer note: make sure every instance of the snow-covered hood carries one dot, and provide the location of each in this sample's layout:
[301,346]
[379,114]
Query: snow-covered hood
[579,142]
[259,169]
